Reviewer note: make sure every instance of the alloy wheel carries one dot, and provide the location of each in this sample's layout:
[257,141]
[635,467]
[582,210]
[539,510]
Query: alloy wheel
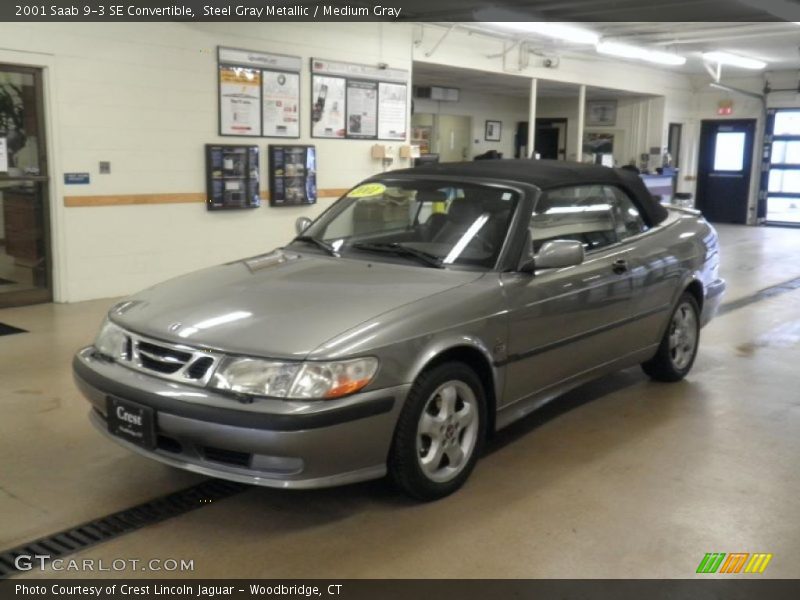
[447,431]
[683,336]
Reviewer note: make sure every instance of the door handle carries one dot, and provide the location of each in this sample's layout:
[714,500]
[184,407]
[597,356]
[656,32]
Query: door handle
[620,266]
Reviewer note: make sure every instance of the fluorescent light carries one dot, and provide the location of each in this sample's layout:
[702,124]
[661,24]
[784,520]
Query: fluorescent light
[665,58]
[559,31]
[638,53]
[734,60]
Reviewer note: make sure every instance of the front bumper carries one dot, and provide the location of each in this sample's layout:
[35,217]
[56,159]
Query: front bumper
[273,443]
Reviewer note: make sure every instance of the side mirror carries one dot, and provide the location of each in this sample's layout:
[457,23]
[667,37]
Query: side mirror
[555,254]
[301,224]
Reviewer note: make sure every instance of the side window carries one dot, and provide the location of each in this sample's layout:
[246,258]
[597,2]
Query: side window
[628,220]
[581,213]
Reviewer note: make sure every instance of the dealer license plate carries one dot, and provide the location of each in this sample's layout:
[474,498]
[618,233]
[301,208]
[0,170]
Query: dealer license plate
[131,422]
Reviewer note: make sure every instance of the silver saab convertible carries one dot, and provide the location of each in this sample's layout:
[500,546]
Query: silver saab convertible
[420,313]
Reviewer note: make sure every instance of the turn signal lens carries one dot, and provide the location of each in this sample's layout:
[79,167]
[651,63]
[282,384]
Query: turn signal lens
[333,380]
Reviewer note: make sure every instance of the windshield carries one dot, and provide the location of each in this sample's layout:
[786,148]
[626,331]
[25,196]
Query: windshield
[419,220]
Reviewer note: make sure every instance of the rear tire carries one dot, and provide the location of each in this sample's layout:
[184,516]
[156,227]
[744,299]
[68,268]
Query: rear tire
[440,432]
[678,347]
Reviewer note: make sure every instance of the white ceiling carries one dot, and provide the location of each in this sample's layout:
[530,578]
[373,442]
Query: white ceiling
[603,10]
[776,43]
[502,84]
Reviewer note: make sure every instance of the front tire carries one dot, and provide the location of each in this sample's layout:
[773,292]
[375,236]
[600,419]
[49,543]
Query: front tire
[678,347]
[440,432]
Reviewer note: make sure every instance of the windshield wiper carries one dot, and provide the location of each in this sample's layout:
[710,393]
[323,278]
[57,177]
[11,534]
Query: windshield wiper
[430,260]
[318,243]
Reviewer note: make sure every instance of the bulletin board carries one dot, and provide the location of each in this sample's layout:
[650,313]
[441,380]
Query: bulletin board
[354,101]
[259,93]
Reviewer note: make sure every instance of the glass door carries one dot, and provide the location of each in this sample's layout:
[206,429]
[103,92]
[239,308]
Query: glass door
[783,184]
[24,220]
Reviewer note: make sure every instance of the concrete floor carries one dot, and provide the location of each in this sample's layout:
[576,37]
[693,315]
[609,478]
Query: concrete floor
[620,478]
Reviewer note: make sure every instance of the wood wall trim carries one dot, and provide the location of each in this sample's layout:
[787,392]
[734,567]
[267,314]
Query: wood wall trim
[182,198]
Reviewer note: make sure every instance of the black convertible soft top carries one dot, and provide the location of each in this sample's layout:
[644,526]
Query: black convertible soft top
[549,174]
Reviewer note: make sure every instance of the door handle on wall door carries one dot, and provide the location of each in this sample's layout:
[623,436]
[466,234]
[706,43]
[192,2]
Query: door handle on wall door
[620,266]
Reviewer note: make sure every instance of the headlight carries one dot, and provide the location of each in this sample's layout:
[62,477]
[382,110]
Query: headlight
[310,380]
[111,341]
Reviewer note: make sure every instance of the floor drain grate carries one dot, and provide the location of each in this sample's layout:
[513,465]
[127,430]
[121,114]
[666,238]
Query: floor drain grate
[75,539]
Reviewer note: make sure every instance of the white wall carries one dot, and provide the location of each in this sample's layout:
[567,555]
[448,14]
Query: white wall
[144,98]
[482,107]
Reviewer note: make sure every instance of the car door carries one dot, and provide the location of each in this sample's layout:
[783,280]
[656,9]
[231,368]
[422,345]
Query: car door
[654,269]
[565,322]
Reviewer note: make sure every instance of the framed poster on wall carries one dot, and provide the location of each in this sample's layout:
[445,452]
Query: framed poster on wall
[292,175]
[493,131]
[392,109]
[328,111]
[362,109]
[602,113]
[232,177]
[355,101]
[259,93]
[239,101]
[280,104]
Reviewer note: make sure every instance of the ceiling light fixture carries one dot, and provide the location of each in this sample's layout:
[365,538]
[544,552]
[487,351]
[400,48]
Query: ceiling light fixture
[734,60]
[638,53]
[559,31]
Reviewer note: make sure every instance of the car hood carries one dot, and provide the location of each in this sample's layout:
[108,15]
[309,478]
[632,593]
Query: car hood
[281,305]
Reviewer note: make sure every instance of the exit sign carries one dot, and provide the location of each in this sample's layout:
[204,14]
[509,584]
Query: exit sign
[725,107]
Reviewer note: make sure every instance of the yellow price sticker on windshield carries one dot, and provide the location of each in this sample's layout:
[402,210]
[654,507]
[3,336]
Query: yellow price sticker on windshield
[366,190]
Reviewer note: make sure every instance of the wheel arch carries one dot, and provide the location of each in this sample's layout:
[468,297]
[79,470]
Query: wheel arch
[478,359]
[695,288]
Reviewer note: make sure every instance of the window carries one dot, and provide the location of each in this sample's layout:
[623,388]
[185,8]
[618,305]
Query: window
[580,213]
[627,217]
[729,151]
[783,182]
[390,220]
[787,122]
[786,153]
[595,215]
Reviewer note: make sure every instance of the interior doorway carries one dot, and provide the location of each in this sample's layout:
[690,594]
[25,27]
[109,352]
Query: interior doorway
[25,275]
[724,165]
[550,140]
[453,135]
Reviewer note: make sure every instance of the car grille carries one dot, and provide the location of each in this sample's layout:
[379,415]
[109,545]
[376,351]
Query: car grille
[171,361]
[161,359]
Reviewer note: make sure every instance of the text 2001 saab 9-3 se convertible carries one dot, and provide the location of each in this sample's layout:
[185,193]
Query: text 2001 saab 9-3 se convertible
[422,311]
